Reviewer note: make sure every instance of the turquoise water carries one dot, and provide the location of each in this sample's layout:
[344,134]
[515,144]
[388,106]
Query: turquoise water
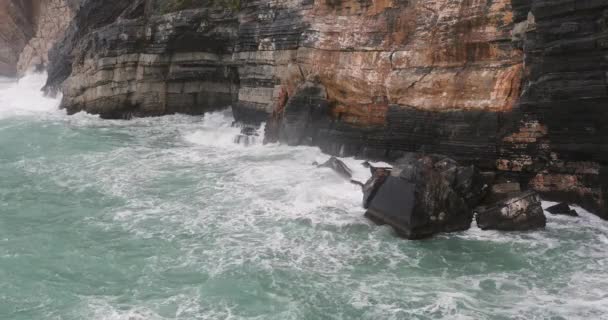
[168,218]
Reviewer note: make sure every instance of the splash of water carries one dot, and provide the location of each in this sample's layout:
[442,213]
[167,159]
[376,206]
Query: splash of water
[23,97]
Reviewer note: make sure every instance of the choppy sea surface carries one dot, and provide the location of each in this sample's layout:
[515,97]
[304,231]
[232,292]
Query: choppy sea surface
[169,218]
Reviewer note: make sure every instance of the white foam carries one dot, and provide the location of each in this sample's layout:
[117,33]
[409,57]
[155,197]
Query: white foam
[237,208]
[101,309]
[24,97]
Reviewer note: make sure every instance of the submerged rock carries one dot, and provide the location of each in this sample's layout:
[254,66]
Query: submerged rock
[338,166]
[425,195]
[518,213]
[562,209]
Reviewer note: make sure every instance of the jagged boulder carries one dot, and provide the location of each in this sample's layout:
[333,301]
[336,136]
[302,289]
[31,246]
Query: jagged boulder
[425,195]
[562,209]
[519,213]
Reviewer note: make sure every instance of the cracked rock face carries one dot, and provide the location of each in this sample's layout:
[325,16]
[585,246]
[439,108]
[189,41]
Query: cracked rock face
[517,86]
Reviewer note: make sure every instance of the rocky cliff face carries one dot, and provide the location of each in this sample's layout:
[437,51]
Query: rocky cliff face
[28,30]
[51,19]
[512,85]
[559,138]
[126,59]
[16,28]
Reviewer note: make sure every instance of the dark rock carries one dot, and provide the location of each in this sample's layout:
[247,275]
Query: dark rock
[304,111]
[520,213]
[424,195]
[562,209]
[338,166]
[371,187]
[559,128]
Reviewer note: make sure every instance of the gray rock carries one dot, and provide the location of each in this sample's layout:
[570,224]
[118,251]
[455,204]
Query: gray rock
[562,209]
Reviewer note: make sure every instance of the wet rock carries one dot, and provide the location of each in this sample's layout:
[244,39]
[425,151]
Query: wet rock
[302,115]
[520,213]
[425,195]
[338,166]
[562,209]
[248,136]
[371,187]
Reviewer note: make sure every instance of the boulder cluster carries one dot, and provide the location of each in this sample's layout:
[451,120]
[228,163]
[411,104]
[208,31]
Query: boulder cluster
[423,195]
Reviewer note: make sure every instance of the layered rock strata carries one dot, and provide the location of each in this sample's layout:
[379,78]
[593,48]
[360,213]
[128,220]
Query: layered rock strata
[511,85]
[134,63]
[559,139]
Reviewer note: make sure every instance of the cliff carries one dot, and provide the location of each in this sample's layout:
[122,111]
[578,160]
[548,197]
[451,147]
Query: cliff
[517,86]
[16,28]
[28,30]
